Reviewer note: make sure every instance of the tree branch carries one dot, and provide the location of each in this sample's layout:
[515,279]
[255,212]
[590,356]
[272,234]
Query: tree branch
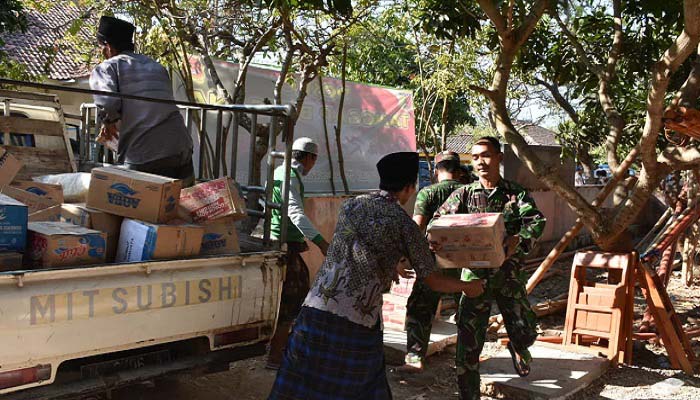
[494,14]
[675,55]
[615,121]
[560,99]
[580,51]
[523,32]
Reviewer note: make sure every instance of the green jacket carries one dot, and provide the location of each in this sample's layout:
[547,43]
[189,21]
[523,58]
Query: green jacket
[298,224]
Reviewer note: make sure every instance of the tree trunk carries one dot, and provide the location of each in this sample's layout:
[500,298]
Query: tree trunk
[325,133]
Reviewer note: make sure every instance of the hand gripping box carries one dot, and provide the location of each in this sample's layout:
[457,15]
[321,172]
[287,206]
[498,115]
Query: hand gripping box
[57,244]
[143,241]
[132,194]
[469,240]
[13,224]
[212,200]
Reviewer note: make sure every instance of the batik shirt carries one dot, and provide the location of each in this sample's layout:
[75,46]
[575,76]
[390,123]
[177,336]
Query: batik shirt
[520,213]
[373,233]
[430,198]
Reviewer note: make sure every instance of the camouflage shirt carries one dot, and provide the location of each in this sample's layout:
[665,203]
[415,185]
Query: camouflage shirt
[520,212]
[430,198]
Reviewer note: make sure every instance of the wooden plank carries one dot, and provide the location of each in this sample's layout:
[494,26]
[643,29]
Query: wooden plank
[31,126]
[600,334]
[654,293]
[38,161]
[32,98]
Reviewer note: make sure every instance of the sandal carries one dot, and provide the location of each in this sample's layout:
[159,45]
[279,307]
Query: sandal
[522,367]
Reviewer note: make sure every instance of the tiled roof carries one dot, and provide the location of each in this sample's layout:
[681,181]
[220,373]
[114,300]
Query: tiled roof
[458,143]
[41,48]
[533,134]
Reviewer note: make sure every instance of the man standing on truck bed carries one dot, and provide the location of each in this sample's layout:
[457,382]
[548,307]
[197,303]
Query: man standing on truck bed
[423,302]
[152,136]
[524,224]
[299,227]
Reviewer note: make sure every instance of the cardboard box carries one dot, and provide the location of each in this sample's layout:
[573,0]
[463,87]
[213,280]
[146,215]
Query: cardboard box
[469,240]
[220,237]
[80,214]
[34,202]
[57,244]
[133,194]
[47,190]
[212,200]
[9,166]
[143,241]
[52,213]
[10,261]
[13,224]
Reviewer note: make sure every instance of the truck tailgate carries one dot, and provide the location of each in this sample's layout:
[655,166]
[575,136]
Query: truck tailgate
[47,317]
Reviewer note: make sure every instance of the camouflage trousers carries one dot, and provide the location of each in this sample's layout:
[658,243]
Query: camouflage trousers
[505,286]
[420,312]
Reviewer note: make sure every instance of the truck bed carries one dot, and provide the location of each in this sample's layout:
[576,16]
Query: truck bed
[50,317]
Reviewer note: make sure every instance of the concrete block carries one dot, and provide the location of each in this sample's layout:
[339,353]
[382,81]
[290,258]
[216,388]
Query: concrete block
[555,374]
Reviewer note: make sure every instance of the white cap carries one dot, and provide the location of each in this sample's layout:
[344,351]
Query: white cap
[305,144]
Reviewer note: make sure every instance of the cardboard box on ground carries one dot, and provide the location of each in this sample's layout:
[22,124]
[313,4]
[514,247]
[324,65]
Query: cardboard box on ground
[133,194]
[49,191]
[13,224]
[56,244]
[80,214]
[143,241]
[9,166]
[469,240]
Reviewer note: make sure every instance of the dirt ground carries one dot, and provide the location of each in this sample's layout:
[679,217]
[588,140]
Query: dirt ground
[647,378]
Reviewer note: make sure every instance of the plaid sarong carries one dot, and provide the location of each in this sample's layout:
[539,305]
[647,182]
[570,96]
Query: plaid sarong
[331,358]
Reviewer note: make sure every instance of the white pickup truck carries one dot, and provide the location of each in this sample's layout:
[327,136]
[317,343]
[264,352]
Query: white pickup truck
[75,331]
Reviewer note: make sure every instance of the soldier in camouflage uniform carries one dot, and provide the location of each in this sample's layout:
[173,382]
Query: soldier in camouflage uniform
[423,302]
[506,285]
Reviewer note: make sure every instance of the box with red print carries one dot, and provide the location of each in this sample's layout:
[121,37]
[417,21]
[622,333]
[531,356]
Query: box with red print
[58,244]
[469,240]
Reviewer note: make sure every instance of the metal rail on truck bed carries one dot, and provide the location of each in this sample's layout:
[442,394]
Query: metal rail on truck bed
[84,329]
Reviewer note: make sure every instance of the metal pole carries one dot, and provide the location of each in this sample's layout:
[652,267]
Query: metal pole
[234,144]
[253,136]
[202,134]
[217,151]
[289,137]
[270,183]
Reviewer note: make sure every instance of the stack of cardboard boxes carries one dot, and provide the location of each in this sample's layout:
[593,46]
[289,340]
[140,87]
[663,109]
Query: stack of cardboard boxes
[129,217]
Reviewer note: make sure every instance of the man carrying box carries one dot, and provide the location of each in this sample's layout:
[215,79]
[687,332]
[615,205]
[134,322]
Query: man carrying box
[423,302]
[506,285]
[299,227]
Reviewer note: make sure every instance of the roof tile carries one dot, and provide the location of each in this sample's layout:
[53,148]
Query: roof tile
[41,48]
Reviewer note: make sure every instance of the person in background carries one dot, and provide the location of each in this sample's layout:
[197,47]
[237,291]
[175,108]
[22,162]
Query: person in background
[336,349]
[466,177]
[299,228]
[524,224]
[423,301]
[578,176]
[151,136]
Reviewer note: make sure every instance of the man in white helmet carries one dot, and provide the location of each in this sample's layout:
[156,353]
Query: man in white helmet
[299,228]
